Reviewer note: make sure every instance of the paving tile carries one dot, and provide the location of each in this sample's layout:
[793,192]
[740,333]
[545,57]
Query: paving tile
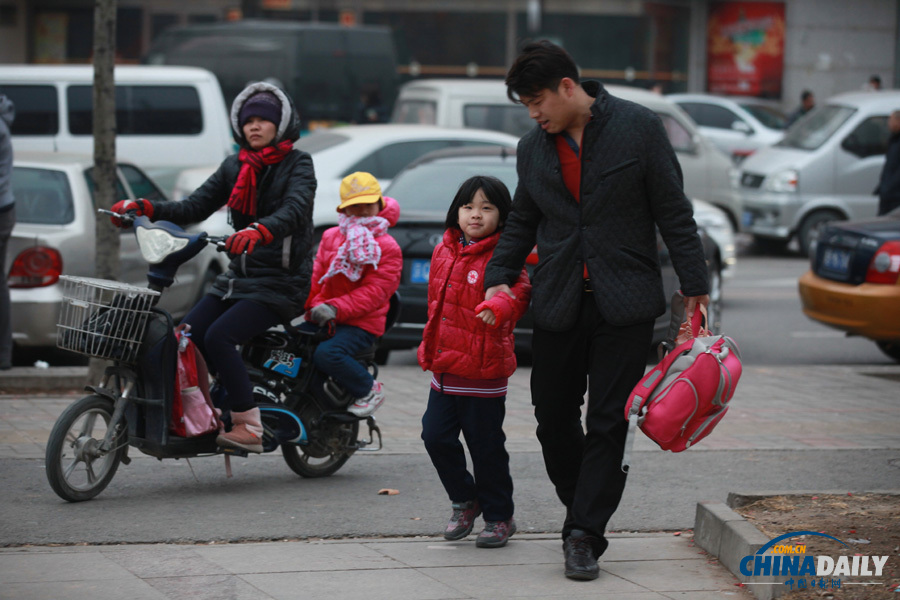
[80,590]
[163,561]
[299,557]
[464,553]
[365,584]
[530,581]
[671,575]
[212,587]
[35,567]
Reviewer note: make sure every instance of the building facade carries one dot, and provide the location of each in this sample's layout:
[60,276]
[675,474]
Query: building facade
[828,46]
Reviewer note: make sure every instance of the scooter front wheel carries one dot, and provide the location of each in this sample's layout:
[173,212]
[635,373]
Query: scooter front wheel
[77,468]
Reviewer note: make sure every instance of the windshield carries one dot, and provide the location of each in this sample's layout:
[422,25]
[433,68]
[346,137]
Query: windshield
[318,141]
[431,186]
[769,116]
[814,129]
[42,196]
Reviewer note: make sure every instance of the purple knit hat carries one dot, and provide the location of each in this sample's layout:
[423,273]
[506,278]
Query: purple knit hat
[264,105]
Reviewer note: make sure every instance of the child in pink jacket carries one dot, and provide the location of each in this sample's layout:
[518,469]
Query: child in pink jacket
[356,271]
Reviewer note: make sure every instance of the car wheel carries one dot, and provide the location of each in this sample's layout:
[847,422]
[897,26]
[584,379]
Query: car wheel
[811,225]
[892,349]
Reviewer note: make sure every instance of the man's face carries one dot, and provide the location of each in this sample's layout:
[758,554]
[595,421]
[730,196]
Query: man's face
[550,108]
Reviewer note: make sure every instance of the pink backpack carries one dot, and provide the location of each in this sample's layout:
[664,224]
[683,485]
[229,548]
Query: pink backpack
[680,400]
[193,413]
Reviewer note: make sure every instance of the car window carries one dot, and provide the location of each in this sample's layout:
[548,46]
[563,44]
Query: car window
[43,196]
[140,110]
[141,185]
[319,141]
[37,109]
[769,116]
[431,186]
[416,112]
[816,127]
[680,138]
[512,118]
[121,193]
[387,161]
[718,117]
[870,138]
[693,109]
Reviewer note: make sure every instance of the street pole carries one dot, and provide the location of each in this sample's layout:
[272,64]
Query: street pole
[104,114]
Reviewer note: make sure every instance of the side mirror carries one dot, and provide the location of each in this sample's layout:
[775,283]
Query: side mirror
[742,127]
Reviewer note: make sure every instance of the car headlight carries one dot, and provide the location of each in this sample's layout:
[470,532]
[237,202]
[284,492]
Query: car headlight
[783,182]
[156,244]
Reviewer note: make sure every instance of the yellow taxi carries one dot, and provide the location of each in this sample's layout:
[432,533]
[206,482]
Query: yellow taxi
[853,282]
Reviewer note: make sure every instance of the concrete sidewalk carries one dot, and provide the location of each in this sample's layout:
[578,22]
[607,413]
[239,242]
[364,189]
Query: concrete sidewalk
[850,407]
[636,567]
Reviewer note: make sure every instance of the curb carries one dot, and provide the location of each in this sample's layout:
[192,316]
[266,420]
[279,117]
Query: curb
[19,380]
[729,537]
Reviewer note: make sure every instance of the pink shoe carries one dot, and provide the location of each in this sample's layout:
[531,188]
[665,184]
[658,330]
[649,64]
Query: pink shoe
[369,403]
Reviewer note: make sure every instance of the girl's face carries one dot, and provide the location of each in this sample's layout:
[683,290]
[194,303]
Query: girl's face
[370,209]
[259,132]
[478,218]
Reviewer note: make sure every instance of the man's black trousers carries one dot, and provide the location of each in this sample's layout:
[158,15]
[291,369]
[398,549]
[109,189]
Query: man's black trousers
[607,361]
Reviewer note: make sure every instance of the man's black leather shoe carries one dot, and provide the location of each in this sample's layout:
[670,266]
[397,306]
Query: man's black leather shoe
[580,560]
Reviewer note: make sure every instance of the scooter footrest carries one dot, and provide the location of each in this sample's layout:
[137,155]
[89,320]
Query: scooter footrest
[233,451]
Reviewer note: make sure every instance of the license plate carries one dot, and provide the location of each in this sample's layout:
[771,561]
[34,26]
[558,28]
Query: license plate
[419,271]
[747,218]
[837,261]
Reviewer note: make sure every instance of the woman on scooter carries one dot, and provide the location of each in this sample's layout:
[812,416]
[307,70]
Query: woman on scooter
[269,188]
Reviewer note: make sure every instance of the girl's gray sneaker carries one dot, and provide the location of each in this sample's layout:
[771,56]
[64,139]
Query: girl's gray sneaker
[495,534]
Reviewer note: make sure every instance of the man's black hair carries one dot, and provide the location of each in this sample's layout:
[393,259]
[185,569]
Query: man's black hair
[805,95]
[541,65]
[494,190]
[875,79]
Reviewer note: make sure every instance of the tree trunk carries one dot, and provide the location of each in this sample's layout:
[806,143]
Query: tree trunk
[107,236]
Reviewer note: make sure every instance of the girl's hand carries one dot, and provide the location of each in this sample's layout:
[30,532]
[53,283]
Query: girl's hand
[487,315]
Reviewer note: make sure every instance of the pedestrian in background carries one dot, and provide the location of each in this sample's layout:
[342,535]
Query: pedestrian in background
[269,188]
[7,221]
[888,189]
[874,84]
[596,177]
[807,103]
[468,346]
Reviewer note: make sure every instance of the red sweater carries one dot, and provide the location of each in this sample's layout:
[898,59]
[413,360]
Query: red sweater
[455,341]
[362,303]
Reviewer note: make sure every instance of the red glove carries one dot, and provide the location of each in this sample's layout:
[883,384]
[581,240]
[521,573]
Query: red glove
[245,240]
[139,206]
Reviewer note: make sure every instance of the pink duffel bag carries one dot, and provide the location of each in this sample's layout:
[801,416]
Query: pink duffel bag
[680,400]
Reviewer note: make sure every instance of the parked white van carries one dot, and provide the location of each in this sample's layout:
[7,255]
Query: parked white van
[167,118]
[825,169]
[478,103]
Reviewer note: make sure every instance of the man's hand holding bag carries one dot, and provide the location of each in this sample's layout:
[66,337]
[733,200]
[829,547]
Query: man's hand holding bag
[680,401]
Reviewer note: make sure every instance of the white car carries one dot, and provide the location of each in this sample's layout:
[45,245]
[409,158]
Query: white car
[381,150]
[54,235]
[738,125]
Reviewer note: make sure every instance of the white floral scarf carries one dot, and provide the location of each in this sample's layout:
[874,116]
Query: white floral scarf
[359,248]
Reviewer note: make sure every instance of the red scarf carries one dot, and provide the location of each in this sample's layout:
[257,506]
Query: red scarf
[243,196]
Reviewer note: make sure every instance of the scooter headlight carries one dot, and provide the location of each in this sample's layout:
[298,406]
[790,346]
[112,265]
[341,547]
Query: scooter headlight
[157,244]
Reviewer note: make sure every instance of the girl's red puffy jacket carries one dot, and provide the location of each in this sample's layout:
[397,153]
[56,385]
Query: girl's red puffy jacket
[362,303]
[455,340]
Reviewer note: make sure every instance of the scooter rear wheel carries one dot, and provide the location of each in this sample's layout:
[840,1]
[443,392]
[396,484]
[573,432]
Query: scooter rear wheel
[76,467]
[322,457]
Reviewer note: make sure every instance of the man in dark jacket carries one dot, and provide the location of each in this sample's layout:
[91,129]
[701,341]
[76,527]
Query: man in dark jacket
[7,221]
[595,180]
[888,189]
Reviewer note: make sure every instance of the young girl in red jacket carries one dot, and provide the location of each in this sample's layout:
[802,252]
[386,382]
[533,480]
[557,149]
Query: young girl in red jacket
[357,270]
[468,345]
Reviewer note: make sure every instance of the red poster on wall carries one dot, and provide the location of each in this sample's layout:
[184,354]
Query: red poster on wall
[745,48]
